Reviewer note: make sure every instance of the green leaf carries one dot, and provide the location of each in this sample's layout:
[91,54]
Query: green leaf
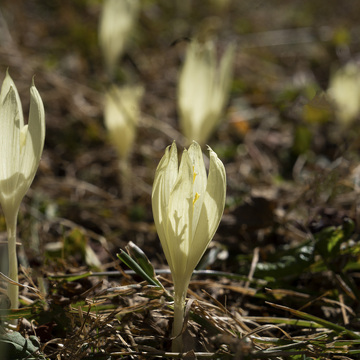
[132,264]
[329,240]
[16,347]
[139,256]
[290,263]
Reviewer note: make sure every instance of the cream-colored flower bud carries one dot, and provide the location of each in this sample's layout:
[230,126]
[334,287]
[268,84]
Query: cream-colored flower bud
[21,147]
[203,89]
[187,208]
[344,90]
[117,21]
[121,113]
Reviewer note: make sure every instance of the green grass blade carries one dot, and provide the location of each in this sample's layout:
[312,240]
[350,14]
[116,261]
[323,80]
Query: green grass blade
[327,324]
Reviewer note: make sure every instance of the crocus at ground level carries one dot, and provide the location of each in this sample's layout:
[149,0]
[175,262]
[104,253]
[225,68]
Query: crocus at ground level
[187,208]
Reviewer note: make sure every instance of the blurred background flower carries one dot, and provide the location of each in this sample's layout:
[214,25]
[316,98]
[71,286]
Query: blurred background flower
[344,90]
[117,21]
[203,89]
[121,114]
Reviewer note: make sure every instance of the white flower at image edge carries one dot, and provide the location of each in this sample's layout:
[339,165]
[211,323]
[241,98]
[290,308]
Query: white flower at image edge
[187,208]
[344,90]
[21,145]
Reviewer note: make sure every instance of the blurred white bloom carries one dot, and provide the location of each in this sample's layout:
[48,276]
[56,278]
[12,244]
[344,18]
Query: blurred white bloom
[203,89]
[122,111]
[187,208]
[344,90]
[117,21]
[21,147]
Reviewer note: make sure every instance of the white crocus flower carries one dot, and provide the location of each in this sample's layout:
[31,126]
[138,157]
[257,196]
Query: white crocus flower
[21,147]
[187,208]
[117,21]
[121,113]
[344,90]
[203,89]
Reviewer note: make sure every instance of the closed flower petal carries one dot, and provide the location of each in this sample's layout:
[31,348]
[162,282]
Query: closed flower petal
[187,207]
[211,210]
[5,87]
[199,179]
[21,145]
[165,177]
[34,133]
[9,148]
[179,214]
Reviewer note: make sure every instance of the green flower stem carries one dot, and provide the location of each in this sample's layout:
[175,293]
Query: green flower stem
[13,290]
[126,180]
[180,291]
[179,308]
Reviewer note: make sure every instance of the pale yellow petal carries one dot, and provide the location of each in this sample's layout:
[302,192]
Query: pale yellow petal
[9,153]
[165,177]
[211,211]
[179,221]
[168,168]
[35,136]
[200,181]
[5,87]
